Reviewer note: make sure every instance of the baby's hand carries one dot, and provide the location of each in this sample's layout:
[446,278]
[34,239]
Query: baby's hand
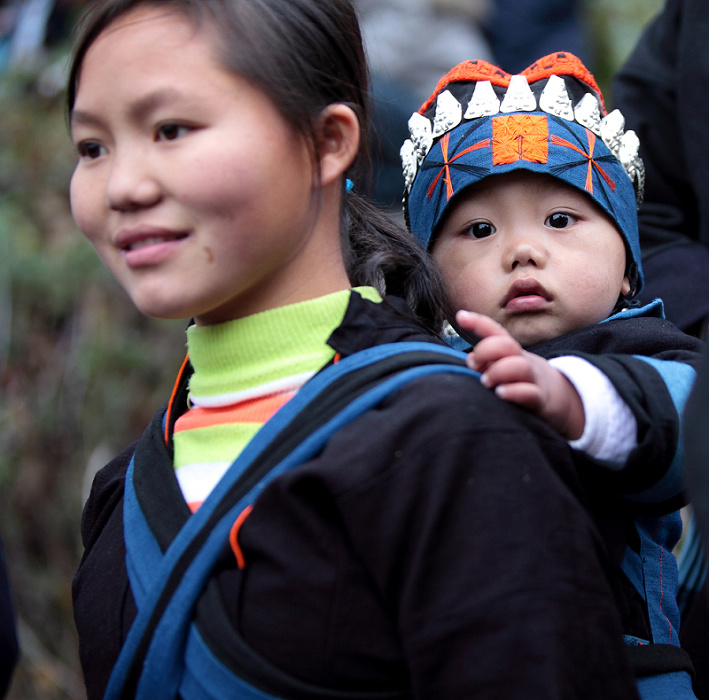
[522,377]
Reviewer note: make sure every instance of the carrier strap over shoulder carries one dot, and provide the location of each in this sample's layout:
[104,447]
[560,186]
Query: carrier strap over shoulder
[164,653]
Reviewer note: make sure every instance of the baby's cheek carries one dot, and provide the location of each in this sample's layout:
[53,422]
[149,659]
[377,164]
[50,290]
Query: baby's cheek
[470,295]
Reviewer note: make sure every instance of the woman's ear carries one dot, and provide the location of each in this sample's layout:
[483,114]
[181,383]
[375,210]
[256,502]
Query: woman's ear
[338,141]
[625,287]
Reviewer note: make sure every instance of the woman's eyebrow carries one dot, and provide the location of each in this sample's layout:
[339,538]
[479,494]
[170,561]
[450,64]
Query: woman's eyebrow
[84,118]
[137,109]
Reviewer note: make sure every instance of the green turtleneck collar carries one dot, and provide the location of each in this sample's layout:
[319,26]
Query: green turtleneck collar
[270,347]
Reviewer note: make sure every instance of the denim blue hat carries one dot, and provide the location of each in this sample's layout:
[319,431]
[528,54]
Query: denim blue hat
[481,121]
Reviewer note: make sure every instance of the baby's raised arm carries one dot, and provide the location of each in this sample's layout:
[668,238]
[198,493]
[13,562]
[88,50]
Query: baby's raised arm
[522,377]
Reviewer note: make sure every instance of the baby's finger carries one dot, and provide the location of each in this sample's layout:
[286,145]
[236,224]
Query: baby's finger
[523,394]
[492,349]
[508,370]
[479,324]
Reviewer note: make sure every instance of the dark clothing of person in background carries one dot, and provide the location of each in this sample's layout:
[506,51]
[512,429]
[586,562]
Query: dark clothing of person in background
[697,464]
[9,650]
[662,92]
[520,32]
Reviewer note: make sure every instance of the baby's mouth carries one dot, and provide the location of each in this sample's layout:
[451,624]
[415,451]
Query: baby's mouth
[526,295]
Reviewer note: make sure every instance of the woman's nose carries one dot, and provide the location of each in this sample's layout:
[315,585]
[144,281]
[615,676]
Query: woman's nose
[132,184]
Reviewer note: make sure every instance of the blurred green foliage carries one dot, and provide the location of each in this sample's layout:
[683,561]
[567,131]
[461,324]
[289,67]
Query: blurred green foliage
[614,27]
[81,371]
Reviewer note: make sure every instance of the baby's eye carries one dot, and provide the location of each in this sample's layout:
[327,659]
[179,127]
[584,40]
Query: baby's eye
[480,229]
[560,219]
[90,150]
[170,132]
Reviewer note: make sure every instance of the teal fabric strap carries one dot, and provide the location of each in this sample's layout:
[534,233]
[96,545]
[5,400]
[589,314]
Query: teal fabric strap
[167,585]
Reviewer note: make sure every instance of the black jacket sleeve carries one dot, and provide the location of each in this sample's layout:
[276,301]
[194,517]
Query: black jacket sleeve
[651,364]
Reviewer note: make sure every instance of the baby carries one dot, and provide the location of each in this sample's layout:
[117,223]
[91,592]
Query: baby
[526,196]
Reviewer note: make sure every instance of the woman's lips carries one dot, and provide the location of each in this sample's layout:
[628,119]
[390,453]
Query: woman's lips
[148,246]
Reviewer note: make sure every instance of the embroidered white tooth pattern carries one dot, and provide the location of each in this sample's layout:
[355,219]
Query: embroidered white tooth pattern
[554,100]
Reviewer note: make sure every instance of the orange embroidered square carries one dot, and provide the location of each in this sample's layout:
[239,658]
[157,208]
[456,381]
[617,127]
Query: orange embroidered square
[520,137]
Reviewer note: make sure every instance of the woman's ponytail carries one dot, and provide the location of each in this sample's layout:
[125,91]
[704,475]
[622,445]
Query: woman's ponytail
[381,253]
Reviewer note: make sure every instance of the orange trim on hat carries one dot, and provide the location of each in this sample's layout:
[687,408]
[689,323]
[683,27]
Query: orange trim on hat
[469,71]
[559,63]
[562,63]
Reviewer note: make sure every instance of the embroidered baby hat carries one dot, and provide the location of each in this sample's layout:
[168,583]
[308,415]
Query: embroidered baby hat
[482,121]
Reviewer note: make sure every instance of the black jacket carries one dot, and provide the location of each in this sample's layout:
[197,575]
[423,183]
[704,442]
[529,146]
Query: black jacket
[662,90]
[439,547]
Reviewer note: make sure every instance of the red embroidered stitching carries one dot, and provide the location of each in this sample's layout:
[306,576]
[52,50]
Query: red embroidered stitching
[469,71]
[445,172]
[561,63]
[558,141]
[662,592]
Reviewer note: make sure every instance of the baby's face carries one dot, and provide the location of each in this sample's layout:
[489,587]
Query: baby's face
[535,254]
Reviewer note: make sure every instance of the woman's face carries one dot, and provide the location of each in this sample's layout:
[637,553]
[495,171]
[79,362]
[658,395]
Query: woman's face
[196,193]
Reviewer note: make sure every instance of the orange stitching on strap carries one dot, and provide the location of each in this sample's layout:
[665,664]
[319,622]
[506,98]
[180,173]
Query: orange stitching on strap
[168,413]
[337,358]
[234,535]
[520,137]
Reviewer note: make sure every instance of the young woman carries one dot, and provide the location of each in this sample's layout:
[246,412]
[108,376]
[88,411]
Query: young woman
[435,545]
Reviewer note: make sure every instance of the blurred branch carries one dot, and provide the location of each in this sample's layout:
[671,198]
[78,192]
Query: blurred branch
[53,671]
[5,301]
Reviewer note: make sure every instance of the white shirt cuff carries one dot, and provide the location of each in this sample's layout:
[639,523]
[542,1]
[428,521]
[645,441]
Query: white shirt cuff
[611,431]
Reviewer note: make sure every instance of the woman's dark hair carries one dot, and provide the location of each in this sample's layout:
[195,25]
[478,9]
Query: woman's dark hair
[305,55]
[383,254]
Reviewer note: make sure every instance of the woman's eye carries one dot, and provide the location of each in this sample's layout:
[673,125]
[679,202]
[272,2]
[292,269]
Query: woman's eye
[560,220]
[480,229]
[90,150]
[170,132]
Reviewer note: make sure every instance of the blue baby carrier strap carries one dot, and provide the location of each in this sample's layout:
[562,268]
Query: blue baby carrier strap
[164,653]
